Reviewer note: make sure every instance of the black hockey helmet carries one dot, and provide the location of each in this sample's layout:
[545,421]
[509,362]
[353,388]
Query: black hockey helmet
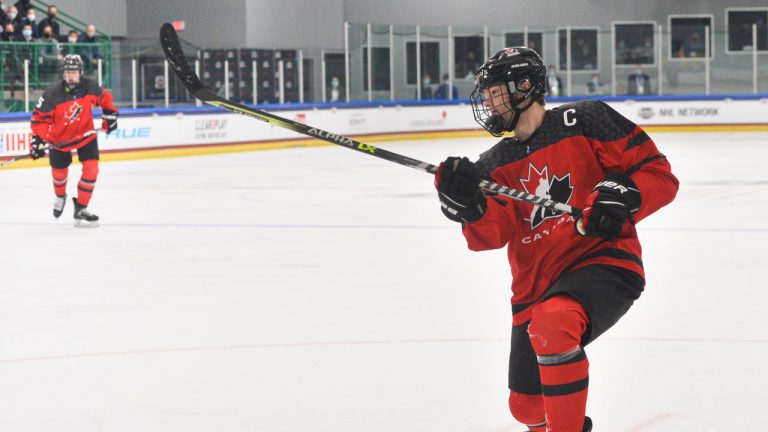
[72,62]
[523,71]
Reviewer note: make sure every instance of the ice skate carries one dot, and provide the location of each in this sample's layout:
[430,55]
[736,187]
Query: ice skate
[84,219]
[58,205]
[587,425]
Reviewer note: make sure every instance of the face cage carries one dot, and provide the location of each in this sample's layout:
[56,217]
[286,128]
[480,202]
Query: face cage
[491,117]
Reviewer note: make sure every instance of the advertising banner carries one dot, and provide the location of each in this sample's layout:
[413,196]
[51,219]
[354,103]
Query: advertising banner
[190,128]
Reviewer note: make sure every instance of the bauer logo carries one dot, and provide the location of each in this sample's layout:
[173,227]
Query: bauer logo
[646,113]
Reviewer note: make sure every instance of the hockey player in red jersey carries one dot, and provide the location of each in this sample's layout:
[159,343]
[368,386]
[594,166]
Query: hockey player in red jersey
[63,116]
[572,280]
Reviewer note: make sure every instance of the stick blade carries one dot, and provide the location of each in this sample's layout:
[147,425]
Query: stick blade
[175,56]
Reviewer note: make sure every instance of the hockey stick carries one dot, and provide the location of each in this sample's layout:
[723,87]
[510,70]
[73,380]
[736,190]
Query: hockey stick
[175,56]
[50,146]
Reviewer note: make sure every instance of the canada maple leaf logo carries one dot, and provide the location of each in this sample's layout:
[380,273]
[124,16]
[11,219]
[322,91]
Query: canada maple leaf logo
[538,183]
[73,113]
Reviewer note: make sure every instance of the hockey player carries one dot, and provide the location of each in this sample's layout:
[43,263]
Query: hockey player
[63,115]
[572,280]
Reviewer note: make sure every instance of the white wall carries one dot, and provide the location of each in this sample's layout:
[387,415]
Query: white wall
[318,23]
[295,23]
[109,16]
[209,24]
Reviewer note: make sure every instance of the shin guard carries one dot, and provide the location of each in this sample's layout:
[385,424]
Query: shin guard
[59,180]
[556,328]
[87,181]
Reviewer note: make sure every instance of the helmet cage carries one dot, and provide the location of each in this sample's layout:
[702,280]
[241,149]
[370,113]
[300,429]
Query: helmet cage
[523,72]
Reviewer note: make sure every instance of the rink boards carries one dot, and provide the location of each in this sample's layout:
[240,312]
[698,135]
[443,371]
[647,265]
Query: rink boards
[146,133]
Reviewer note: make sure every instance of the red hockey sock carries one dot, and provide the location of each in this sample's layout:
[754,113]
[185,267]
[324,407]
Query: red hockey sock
[556,328]
[528,410]
[87,181]
[59,180]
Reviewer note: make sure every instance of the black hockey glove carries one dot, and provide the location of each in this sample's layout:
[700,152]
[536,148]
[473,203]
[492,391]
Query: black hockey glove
[611,203]
[109,120]
[37,147]
[461,199]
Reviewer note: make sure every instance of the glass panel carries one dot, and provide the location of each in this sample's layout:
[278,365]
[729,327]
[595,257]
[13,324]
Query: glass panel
[635,44]
[469,55]
[380,75]
[688,36]
[584,54]
[535,40]
[334,75]
[740,24]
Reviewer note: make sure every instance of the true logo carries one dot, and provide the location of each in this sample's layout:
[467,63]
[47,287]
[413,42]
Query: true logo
[539,183]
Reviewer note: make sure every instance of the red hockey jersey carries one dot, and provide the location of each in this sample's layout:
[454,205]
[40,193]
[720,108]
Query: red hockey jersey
[61,116]
[576,146]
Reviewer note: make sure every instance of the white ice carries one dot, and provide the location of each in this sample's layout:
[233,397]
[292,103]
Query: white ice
[321,290]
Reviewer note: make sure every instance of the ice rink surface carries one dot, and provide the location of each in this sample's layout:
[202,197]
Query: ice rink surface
[319,290]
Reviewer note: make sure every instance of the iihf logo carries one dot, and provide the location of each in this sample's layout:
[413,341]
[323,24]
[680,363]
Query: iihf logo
[538,183]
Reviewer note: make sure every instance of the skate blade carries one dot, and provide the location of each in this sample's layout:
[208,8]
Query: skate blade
[85,224]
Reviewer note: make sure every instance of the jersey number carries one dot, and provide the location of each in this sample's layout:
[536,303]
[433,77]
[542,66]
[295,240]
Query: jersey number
[569,120]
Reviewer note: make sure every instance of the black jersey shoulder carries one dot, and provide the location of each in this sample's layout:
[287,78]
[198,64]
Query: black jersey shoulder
[553,129]
[506,151]
[53,95]
[600,121]
[90,86]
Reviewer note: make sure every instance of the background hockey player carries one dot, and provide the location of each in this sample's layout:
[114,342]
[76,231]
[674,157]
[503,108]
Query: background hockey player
[571,281]
[63,115]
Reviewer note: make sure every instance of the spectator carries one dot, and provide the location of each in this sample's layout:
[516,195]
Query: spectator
[24,7]
[51,20]
[554,83]
[644,53]
[638,83]
[583,57]
[3,16]
[442,89]
[27,34]
[49,53]
[336,89]
[469,66]
[9,33]
[91,52]
[594,85]
[693,46]
[89,36]
[46,34]
[426,90]
[12,16]
[31,18]
[72,36]
[26,52]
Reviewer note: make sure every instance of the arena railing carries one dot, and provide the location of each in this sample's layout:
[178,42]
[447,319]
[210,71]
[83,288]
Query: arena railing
[29,67]
[385,63]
